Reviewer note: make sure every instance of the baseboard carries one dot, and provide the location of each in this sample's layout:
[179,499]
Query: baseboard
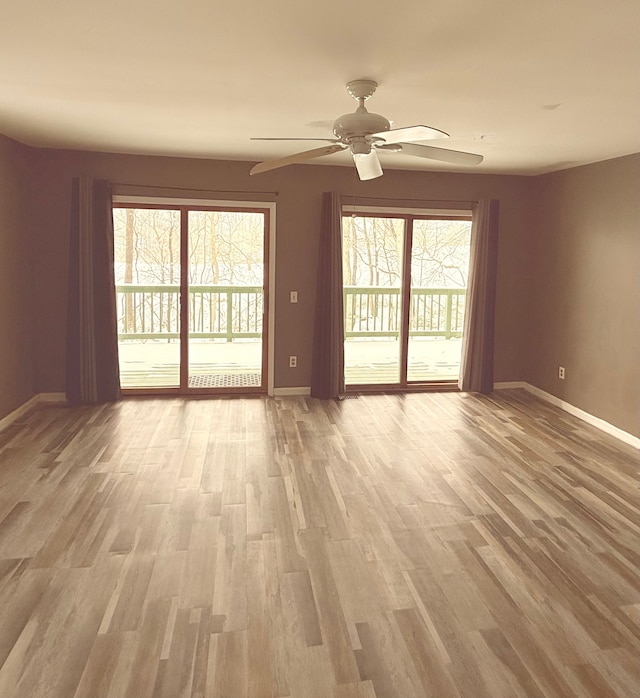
[510,385]
[608,428]
[292,392]
[30,404]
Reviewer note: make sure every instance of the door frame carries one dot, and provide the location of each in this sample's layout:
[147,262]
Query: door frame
[269,209]
[409,215]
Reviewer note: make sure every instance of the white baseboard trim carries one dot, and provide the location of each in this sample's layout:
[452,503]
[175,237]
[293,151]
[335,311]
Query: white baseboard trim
[292,392]
[49,398]
[608,428]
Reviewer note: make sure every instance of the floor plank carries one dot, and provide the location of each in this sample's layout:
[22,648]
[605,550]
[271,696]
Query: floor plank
[393,546]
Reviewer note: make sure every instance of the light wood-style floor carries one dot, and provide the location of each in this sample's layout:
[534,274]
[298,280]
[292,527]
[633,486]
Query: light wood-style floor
[442,545]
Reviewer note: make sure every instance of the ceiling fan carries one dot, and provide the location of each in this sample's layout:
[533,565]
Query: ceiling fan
[365,135]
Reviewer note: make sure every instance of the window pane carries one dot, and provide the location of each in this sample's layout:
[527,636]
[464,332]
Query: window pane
[439,272]
[226,280]
[372,272]
[147,272]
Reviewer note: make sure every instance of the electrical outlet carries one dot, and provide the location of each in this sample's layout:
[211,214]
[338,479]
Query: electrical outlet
[561,372]
[293,296]
[293,362]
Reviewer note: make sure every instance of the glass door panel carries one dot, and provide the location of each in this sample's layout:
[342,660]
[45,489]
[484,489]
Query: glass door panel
[373,249]
[147,275]
[190,294]
[439,273]
[225,299]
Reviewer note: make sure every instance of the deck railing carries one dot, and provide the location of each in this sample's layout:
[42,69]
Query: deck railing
[375,312]
[235,312]
[215,312]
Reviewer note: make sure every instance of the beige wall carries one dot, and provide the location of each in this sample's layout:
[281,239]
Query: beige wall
[17,376]
[584,300]
[298,203]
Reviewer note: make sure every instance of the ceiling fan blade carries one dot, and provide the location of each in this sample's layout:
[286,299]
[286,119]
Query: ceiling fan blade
[324,140]
[454,157]
[292,159]
[410,134]
[368,165]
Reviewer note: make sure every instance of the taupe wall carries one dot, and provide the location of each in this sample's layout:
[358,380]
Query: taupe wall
[298,222]
[567,269]
[17,376]
[584,295]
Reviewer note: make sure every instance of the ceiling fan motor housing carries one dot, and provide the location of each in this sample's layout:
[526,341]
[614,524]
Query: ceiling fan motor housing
[359,123]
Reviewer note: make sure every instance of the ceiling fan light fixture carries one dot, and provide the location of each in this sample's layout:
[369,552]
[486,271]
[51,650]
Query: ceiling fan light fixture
[368,165]
[360,145]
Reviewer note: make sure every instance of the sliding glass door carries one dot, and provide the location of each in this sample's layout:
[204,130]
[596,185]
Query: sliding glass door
[226,281]
[373,254]
[438,268]
[405,280]
[148,271]
[190,286]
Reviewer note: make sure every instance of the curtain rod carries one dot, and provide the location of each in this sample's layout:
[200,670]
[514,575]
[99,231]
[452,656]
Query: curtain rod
[422,201]
[205,191]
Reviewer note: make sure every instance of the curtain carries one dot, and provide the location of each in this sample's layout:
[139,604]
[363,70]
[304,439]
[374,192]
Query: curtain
[92,335]
[327,371]
[476,371]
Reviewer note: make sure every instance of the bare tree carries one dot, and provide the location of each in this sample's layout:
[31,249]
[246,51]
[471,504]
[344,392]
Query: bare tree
[373,257]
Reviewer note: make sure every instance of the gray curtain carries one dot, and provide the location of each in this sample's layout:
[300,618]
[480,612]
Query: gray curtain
[327,372]
[92,335]
[476,371]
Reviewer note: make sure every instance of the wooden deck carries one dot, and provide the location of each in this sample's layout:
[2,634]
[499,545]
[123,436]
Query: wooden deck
[212,364]
[157,363]
[395,546]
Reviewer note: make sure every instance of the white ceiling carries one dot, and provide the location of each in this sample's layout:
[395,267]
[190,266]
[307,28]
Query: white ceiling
[533,86]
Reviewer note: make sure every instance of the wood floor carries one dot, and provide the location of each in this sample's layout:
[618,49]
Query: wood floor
[442,545]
